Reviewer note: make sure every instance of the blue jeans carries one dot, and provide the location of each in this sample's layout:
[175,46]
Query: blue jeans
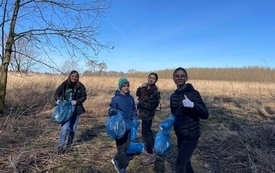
[68,129]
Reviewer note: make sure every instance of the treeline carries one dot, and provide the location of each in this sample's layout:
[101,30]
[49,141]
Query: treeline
[248,74]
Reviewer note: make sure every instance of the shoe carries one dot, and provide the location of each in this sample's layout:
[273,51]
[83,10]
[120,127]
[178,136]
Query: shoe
[148,159]
[60,150]
[68,149]
[115,165]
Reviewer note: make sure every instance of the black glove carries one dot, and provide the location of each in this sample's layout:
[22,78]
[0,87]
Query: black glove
[113,112]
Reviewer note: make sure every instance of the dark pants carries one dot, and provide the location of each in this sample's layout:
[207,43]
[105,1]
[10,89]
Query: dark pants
[147,135]
[123,145]
[185,151]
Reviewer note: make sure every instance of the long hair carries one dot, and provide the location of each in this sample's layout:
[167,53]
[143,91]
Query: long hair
[70,84]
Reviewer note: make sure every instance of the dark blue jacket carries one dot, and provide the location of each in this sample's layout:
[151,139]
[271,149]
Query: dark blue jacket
[124,103]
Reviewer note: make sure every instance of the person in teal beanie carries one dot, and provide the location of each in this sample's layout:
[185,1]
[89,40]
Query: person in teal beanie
[124,102]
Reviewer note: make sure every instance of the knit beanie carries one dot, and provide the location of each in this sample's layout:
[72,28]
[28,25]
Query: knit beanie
[122,81]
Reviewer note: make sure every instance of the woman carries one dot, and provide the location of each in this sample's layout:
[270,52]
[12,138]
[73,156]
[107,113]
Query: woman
[70,90]
[124,102]
[148,100]
[188,108]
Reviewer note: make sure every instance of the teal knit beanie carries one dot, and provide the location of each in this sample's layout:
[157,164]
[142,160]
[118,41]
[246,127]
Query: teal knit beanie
[122,81]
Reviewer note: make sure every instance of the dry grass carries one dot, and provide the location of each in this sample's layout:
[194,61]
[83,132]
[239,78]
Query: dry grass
[237,137]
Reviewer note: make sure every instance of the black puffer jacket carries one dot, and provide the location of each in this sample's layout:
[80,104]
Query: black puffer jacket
[187,120]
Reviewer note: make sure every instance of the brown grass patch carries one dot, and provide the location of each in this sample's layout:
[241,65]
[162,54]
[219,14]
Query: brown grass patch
[237,137]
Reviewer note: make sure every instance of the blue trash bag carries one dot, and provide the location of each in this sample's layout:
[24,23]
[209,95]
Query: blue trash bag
[167,124]
[63,112]
[116,126]
[134,128]
[162,143]
[135,148]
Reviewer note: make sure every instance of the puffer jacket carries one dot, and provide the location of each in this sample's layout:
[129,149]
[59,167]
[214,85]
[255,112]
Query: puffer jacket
[79,95]
[187,120]
[126,104]
[147,105]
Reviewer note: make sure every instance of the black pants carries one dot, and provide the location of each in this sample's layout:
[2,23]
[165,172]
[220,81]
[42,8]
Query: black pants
[123,145]
[185,151]
[147,135]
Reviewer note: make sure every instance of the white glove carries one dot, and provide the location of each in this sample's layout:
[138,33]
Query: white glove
[73,102]
[57,101]
[187,103]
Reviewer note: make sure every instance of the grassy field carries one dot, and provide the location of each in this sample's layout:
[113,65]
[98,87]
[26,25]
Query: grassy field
[237,137]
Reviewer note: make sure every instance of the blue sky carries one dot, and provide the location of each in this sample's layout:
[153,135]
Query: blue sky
[151,35]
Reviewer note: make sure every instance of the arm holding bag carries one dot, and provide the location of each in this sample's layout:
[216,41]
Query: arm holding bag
[63,112]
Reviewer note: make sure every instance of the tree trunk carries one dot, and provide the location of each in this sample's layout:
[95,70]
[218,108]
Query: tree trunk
[6,59]
[3,83]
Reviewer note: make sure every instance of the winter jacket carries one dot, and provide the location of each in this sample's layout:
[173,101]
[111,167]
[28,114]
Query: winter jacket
[148,103]
[124,103]
[187,120]
[79,95]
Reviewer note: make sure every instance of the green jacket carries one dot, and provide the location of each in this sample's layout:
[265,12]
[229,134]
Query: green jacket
[148,101]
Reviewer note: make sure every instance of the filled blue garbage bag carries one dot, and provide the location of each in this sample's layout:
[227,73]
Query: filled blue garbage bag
[135,148]
[116,126]
[162,140]
[167,124]
[134,128]
[162,143]
[63,112]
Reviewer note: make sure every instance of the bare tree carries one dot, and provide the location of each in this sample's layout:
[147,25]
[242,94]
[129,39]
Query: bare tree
[70,65]
[20,62]
[102,67]
[57,28]
[92,65]
[131,71]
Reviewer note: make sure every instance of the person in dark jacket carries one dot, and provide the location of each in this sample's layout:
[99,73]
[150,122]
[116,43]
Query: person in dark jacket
[124,102]
[70,90]
[188,108]
[148,100]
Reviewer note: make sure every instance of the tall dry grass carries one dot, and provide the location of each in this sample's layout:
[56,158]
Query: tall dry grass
[237,137]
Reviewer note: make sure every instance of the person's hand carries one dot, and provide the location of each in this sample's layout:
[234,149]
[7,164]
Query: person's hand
[73,102]
[144,85]
[187,103]
[57,101]
[113,112]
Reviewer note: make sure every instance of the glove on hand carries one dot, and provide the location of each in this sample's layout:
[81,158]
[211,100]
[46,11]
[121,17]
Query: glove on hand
[57,101]
[113,112]
[187,103]
[73,102]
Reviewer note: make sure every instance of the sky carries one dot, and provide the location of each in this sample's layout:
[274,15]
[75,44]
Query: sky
[151,35]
